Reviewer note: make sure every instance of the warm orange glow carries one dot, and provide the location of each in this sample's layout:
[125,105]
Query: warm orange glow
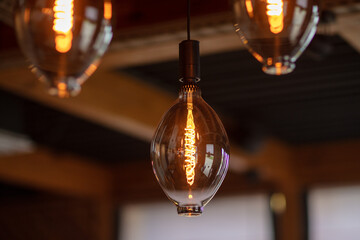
[62,86]
[63,42]
[278,67]
[190,196]
[47,11]
[249,8]
[62,90]
[27,15]
[63,24]
[190,144]
[107,10]
[91,69]
[275,15]
[257,56]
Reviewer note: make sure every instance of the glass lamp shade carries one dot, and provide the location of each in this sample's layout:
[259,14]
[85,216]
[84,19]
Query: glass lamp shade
[63,40]
[190,152]
[276,32]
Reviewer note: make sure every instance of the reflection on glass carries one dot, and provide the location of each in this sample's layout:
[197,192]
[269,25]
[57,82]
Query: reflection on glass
[276,32]
[249,8]
[190,152]
[63,40]
[209,160]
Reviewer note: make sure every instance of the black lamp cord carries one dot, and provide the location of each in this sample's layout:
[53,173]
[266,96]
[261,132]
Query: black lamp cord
[188,19]
[189,57]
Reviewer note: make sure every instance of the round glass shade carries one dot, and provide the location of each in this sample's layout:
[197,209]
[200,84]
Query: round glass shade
[190,152]
[276,32]
[63,40]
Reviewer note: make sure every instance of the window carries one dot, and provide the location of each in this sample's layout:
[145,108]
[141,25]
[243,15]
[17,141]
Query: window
[334,214]
[230,218]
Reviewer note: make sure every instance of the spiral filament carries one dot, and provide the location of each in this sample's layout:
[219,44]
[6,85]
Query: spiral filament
[190,145]
[275,15]
[63,23]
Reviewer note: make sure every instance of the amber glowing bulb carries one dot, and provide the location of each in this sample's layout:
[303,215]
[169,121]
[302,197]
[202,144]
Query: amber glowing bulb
[276,32]
[190,148]
[63,40]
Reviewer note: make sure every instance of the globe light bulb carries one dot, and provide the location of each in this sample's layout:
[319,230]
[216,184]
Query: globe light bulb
[190,149]
[276,32]
[63,40]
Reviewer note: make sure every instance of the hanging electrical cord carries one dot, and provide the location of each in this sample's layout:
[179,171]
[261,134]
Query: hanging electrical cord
[189,56]
[188,20]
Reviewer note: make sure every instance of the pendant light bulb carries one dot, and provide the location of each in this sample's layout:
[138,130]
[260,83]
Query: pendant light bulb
[190,148]
[63,40]
[276,32]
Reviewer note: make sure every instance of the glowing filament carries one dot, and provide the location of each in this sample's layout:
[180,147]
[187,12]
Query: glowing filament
[107,10]
[249,8]
[275,15]
[190,145]
[63,23]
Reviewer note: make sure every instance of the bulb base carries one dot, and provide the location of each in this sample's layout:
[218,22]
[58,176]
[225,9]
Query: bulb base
[279,67]
[189,210]
[189,61]
[64,89]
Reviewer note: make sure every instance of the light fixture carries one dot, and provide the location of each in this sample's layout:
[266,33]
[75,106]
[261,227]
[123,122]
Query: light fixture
[190,149]
[276,32]
[278,203]
[63,40]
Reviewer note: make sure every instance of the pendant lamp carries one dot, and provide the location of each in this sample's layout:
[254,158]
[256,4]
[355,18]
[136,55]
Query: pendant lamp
[276,32]
[190,148]
[63,40]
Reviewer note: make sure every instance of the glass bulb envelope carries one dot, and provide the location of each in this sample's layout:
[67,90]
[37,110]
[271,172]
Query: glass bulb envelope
[190,152]
[276,32]
[63,40]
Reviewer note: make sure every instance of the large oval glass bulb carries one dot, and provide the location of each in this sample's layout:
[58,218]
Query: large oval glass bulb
[276,32]
[190,152]
[63,40]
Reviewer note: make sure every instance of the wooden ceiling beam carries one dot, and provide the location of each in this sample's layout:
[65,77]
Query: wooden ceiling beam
[157,46]
[111,99]
[328,163]
[306,166]
[71,175]
[348,27]
[165,47]
[59,173]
